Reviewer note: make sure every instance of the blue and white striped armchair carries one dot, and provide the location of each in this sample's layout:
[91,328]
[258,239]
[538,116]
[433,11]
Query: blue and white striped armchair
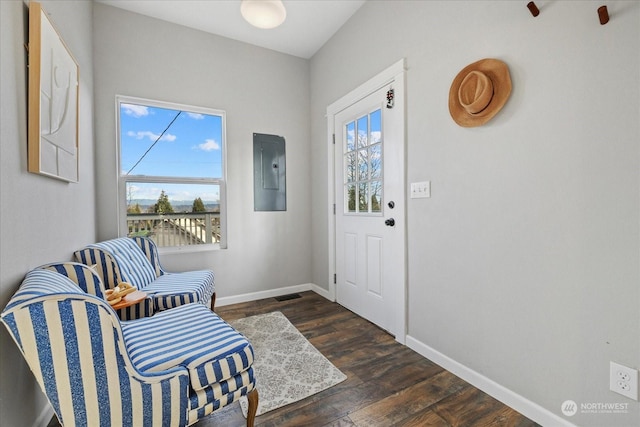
[135,260]
[171,369]
[90,282]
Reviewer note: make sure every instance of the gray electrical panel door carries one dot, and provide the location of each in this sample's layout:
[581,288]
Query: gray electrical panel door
[269,173]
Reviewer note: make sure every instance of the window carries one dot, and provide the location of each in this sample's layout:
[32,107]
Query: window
[171,173]
[363,164]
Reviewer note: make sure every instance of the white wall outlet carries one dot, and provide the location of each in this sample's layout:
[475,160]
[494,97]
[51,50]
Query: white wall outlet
[623,380]
[420,189]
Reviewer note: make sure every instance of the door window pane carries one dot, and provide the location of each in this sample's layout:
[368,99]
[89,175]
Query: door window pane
[351,136]
[363,197]
[363,131]
[350,163]
[375,161]
[350,194]
[376,127]
[376,196]
[363,164]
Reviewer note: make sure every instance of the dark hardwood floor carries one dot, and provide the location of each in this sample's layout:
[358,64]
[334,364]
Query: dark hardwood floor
[388,384]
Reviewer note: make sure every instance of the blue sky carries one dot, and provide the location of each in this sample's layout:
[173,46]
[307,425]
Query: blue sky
[191,147]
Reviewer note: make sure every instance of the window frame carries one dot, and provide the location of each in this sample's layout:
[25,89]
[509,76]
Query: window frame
[355,151]
[124,179]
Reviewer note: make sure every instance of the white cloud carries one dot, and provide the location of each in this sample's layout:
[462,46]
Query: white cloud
[152,136]
[209,145]
[135,110]
[152,192]
[196,116]
[145,192]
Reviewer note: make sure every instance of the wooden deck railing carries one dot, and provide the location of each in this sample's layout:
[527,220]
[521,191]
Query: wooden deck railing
[176,229]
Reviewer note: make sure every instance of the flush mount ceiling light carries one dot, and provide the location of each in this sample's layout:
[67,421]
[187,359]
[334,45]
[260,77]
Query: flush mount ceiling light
[264,14]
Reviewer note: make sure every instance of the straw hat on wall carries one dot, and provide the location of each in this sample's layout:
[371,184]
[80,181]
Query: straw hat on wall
[479,91]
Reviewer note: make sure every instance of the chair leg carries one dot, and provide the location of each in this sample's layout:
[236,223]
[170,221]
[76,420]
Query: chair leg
[253,406]
[213,301]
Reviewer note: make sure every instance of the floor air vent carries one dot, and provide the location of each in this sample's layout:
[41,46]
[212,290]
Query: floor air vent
[287,297]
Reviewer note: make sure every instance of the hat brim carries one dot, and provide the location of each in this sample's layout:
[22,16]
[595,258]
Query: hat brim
[498,72]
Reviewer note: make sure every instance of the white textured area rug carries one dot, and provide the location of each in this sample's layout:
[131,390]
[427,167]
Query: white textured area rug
[288,368]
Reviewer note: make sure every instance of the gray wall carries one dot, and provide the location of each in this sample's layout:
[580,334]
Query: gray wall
[260,90]
[41,219]
[524,265]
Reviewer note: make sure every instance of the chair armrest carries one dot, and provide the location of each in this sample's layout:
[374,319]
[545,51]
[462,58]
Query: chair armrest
[91,363]
[84,276]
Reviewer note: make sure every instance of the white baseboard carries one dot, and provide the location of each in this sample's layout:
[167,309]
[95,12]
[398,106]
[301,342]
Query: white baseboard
[253,296]
[322,292]
[526,407]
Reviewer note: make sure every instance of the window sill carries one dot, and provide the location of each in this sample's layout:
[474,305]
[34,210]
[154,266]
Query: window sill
[189,249]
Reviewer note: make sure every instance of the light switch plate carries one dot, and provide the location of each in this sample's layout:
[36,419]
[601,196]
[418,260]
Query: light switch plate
[420,190]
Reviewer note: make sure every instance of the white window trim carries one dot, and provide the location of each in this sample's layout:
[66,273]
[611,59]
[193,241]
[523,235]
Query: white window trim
[222,182]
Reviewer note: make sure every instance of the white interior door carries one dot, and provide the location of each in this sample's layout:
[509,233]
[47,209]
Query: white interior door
[370,208]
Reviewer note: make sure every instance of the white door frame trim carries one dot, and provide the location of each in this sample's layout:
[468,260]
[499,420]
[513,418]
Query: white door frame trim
[394,74]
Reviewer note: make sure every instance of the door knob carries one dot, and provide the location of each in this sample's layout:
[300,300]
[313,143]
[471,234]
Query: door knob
[390,222]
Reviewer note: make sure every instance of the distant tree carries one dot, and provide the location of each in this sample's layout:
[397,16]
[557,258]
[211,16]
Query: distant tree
[198,206]
[163,205]
[352,199]
[134,209]
[375,204]
[129,195]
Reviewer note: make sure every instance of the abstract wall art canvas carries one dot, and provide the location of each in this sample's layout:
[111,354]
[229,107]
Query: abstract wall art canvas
[53,101]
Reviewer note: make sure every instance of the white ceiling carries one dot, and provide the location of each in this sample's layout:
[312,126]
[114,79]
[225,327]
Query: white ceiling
[309,23]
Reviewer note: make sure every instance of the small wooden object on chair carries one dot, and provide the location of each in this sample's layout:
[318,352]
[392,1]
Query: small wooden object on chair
[130,299]
[253,398]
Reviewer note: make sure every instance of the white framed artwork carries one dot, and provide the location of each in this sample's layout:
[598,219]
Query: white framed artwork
[52,146]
